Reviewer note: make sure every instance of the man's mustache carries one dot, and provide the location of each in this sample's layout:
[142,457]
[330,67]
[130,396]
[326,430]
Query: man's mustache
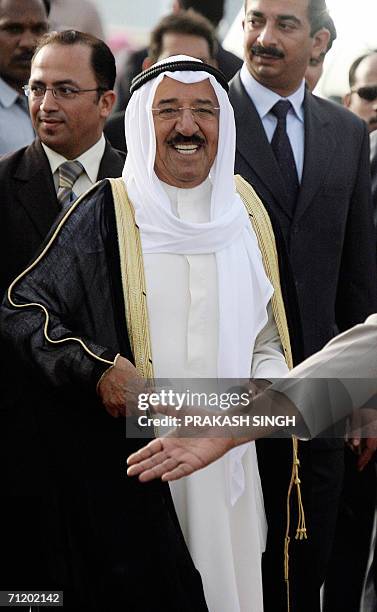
[181,139]
[270,51]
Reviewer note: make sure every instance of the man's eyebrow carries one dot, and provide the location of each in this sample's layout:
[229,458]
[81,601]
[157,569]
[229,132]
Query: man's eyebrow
[254,13]
[289,18]
[167,101]
[55,83]
[279,17]
[175,100]
[4,21]
[203,101]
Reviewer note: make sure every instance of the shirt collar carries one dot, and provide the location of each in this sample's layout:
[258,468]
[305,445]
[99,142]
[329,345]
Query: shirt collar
[90,159]
[195,197]
[264,99]
[8,95]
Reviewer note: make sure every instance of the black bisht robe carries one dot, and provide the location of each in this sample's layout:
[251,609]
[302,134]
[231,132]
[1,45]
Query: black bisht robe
[70,517]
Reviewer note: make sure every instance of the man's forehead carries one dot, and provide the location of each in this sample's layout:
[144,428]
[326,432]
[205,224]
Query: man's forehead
[73,59]
[278,7]
[174,43]
[172,89]
[367,69]
[21,11]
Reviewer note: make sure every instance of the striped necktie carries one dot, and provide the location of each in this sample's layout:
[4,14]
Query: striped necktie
[68,175]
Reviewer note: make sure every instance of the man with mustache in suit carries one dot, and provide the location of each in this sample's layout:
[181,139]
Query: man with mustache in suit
[308,160]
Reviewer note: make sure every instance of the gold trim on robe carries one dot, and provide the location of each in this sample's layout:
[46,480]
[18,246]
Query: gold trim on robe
[135,298]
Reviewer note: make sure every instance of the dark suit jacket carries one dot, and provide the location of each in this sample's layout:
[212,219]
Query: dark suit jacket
[330,238]
[29,205]
[114,131]
[330,247]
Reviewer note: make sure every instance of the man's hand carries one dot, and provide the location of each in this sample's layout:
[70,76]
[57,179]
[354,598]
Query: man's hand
[120,387]
[172,458]
[362,435]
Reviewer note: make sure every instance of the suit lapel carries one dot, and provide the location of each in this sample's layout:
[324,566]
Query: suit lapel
[253,145]
[112,163]
[35,189]
[320,146]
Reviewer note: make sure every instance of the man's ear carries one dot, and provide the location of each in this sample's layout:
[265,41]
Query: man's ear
[320,42]
[347,100]
[106,102]
[147,63]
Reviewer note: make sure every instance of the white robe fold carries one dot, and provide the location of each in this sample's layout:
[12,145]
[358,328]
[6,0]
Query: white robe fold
[225,541]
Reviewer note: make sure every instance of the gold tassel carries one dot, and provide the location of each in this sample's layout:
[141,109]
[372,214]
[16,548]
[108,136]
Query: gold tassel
[301,532]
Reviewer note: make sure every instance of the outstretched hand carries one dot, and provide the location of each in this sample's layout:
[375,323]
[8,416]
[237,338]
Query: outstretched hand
[171,458]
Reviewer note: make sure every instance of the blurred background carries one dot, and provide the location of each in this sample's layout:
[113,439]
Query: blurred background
[127,25]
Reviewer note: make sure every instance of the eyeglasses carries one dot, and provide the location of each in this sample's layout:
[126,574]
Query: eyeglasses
[199,113]
[368,92]
[61,92]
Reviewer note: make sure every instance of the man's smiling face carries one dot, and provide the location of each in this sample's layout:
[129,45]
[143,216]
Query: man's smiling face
[186,143]
[278,42]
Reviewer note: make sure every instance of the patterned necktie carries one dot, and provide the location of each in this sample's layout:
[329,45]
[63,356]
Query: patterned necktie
[282,149]
[68,175]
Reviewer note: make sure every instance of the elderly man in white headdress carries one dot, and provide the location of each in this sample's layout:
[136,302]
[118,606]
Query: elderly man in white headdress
[160,269]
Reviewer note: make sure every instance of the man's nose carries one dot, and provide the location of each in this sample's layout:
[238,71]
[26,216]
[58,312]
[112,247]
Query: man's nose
[28,40]
[186,123]
[267,35]
[48,103]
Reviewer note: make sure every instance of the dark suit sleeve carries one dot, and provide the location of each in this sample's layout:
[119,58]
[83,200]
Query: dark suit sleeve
[357,287]
[70,283]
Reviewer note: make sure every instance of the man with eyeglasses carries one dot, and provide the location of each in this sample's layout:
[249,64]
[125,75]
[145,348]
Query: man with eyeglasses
[70,93]
[362,97]
[186,33]
[157,275]
[22,23]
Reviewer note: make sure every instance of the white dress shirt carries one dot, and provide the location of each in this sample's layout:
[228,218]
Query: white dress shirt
[264,99]
[16,130]
[90,159]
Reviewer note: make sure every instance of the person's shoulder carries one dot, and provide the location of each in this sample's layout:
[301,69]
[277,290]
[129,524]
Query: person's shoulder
[235,83]
[116,120]
[114,132]
[121,155]
[333,111]
[112,162]
[10,161]
[228,62]
[86,212]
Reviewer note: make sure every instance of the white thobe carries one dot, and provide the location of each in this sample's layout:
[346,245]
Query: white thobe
[225,541]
